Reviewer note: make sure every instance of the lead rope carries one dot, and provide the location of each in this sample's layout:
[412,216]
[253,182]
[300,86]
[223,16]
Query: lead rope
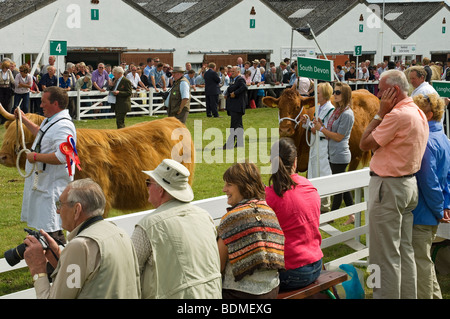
[24,148]
[297,122]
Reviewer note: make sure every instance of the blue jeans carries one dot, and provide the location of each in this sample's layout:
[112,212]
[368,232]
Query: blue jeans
[25,98]
[300,277]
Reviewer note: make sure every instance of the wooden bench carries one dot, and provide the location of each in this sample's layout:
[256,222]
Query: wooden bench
[324,283]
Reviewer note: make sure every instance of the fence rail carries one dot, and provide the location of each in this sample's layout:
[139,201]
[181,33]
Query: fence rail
[326,186]
[143,102]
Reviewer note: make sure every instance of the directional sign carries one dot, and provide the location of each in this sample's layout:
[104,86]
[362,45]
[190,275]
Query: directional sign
[58,47]
[94,14]
[315,68]
[358,50]
[442,88]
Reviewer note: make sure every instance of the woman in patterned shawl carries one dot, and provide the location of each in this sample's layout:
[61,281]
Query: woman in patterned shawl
[251,242]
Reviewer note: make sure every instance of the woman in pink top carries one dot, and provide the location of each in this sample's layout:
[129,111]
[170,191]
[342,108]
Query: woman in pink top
[296,203]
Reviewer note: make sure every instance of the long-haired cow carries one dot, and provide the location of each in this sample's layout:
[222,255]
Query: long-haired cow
[292,106]
[114,158]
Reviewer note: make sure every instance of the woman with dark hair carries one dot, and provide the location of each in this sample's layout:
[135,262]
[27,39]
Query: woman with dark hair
[296,203]
[250,239]
[337,131]
[23,84]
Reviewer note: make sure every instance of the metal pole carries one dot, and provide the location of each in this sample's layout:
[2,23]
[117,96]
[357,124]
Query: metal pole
[317,43]
[44,44]
[317,138]
[357,72]
[292,41]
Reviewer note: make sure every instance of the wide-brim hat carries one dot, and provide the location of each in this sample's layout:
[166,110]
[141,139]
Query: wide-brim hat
[173,177]
[178,69]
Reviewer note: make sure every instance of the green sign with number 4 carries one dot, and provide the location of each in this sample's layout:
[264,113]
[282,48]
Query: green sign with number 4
[58,47]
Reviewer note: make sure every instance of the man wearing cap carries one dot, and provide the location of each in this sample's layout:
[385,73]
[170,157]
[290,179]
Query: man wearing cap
[176,243]
[178,100]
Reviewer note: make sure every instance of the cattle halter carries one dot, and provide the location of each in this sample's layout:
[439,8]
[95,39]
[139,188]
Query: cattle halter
[296,120]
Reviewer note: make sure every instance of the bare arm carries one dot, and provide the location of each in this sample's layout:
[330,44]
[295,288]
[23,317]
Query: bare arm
[34,129]
[387,102]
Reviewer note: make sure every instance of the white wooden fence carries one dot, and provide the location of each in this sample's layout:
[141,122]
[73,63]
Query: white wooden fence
[326,186]
[142,102]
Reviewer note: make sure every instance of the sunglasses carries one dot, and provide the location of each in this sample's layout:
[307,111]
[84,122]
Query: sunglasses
[337,92]
[148,182]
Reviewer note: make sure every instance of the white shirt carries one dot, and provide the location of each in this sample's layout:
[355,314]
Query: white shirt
[134,79]
[303,85]
[42,190]
[255,74]
[425,88]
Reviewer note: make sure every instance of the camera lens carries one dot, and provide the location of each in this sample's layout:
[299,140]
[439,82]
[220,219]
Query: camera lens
[15,255]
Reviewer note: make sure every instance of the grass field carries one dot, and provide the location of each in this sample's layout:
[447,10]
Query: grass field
[211,162]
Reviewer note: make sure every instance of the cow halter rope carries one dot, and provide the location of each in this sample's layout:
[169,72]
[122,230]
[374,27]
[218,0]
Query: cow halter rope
[24,147]
[297,122]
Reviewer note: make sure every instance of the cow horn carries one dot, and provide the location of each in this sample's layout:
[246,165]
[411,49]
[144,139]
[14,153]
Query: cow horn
[6,114]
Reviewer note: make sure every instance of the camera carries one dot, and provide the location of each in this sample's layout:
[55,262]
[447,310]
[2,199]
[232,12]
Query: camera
[15,255]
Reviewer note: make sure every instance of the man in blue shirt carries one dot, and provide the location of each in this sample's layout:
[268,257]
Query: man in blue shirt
[433,181]
[48,79]
[157,78]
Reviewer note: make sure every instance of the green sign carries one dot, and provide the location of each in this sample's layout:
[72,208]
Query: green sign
[58,47]
[94,14]
[315,68]
[358,50]
[443,29]
[252,23]
[361,27]
[442,88]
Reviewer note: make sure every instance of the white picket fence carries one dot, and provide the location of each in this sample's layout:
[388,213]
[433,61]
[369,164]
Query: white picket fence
[356,181]
[142,102]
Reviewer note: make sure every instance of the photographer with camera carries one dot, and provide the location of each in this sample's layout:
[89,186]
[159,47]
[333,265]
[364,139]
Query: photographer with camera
[98,262]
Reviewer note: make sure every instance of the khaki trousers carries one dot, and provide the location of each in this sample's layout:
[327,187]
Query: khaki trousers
[427,284]
[390,205]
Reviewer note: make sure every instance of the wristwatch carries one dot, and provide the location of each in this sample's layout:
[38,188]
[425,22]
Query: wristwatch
[40,275]
[377,117]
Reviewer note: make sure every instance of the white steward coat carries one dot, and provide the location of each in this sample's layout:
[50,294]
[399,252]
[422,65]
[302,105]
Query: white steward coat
[324,114]
[41,194]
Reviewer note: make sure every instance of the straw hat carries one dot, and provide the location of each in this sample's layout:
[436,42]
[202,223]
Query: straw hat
[178,69]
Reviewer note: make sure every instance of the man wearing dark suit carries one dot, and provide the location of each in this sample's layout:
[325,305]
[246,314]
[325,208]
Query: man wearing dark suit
[212,90]
[235,96]
[271,78]
[121,90]
[280,72]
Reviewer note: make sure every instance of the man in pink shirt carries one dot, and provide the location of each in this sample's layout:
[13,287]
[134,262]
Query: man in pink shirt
[398,136]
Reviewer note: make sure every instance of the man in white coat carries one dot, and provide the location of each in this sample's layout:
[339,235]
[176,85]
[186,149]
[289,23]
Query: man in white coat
[51,172]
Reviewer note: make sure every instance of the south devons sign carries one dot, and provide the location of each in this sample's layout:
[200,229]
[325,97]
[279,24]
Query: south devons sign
[317,69]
